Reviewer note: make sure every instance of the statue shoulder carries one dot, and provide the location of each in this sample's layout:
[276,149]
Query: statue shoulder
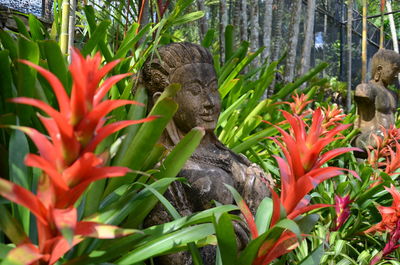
[365,91]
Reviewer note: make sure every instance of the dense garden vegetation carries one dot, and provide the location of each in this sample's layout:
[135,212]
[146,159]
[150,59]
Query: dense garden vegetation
[79,166]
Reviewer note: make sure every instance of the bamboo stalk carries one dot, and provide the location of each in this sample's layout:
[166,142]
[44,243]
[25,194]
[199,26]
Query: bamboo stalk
[392,26]
[364,44]
[382,32]
[64,26]
[71,29]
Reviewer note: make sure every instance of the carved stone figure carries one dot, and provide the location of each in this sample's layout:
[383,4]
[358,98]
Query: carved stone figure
[212,164]
[376,104]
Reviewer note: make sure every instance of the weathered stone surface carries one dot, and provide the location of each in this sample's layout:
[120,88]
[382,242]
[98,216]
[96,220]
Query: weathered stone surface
[212,165]
[376,104]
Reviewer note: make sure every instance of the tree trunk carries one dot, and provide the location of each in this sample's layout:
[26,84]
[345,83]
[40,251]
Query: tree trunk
[364,44]
[349,51]
[254,27]
[236,20]
[223,22]
[244,20]
[202,21]
[392,26]
[293,40]
[267,29]
[277,30]
[308,38]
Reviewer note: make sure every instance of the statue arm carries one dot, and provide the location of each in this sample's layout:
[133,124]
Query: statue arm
[364,91]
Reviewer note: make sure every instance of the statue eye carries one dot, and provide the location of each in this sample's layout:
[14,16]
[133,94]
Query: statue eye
[194,88]
[213,85]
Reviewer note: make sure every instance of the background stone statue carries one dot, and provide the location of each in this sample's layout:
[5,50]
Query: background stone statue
[212,164]
[376,104]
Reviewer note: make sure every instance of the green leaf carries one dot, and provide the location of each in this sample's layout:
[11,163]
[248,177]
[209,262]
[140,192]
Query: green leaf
[132,202]
[11,227]
[146,137]
[91,18]
[307,223]
[226,239]
[8,44]
[136,112]
[19,173]
[188,18]
[56,61]
[314,257]
[253,139]
[247,60]
[229,40]
[166,243]
[26,75]
[4,249]
[115,248]
[174,162]
[36,28]
[6,81]
[131,39]
[289,88]
[97,37]
[208,38]
[264,215]
[21,27]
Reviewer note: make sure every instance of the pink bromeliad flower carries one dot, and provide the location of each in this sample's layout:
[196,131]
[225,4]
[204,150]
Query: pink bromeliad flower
[67,160]
[342,210]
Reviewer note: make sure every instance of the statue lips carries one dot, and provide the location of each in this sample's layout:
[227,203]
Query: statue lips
[207,117]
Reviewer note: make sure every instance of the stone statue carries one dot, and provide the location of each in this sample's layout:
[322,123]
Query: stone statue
[212,164]
[376,104]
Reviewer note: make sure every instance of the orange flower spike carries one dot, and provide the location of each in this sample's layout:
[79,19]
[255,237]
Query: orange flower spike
[390,215]
[299,103]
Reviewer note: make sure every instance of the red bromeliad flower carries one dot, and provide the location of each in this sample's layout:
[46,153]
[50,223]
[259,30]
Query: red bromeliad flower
[67,160]
[300,172]
[390,215]
[390,223]
[298,105]
[302,169]
[333,116]
[342,210]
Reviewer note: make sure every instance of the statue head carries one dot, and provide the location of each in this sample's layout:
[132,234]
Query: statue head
[191,66]
[385,66]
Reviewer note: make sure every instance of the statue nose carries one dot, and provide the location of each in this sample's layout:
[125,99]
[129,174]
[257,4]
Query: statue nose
[208,100]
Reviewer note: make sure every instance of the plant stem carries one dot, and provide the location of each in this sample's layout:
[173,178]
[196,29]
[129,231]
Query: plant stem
[64,26]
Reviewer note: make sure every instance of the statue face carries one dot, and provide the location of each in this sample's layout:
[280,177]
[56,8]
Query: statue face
[388,72]
[198,99]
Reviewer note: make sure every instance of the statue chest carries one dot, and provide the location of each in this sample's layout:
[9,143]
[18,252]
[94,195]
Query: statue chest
[385,101]
[207,179]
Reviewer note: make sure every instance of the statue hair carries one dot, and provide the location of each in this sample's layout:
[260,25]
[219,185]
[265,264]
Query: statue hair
[158,67]
[384,55]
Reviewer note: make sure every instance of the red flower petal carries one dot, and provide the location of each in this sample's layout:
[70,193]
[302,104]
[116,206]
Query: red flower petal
[23,197]
[105,87]
[58,88]
[32,160]
[25,254]
[96,230]
[112,128]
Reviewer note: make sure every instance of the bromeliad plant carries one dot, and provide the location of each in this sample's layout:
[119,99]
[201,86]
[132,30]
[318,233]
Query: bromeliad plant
[68,161]
[276,228]
[390,224]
